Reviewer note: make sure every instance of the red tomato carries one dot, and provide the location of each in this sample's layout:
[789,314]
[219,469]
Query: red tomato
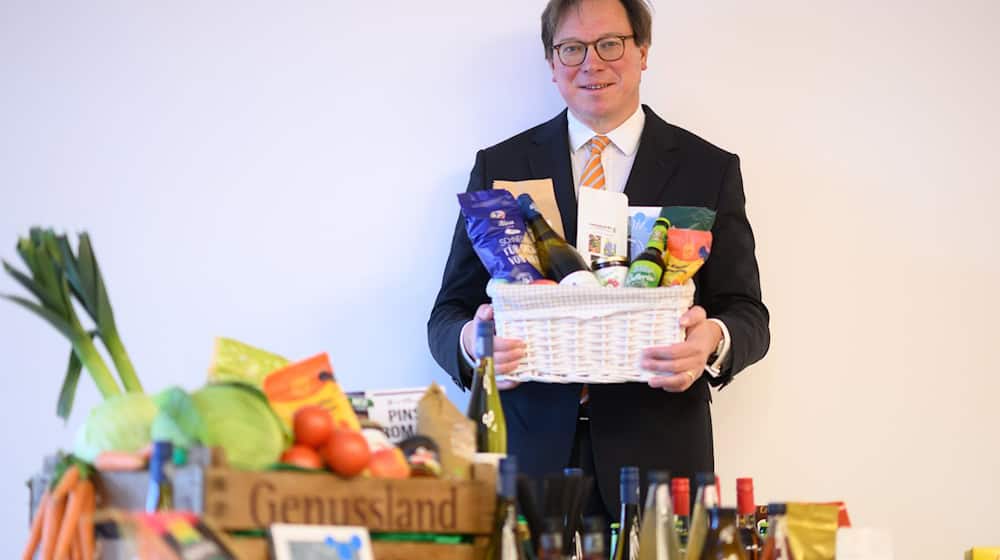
[312,426]
[302,456]
[389,463]
[346,452]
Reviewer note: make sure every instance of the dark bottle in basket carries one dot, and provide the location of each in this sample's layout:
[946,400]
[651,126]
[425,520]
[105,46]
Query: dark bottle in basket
[485,408]
[646,270]
[559,260]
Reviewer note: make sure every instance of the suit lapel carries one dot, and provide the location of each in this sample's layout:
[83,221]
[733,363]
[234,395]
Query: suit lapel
[550,158]
[655,162]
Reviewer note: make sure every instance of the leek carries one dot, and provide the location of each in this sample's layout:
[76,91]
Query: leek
[56,275]
[84,277]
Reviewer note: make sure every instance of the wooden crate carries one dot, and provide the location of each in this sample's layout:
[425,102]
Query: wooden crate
[235,500]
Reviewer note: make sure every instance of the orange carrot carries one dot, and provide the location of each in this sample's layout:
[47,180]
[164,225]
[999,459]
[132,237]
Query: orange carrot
[120,461]
[74,547]
[67,482]
[70,525]
[35,535]
[86,529]
[50,525]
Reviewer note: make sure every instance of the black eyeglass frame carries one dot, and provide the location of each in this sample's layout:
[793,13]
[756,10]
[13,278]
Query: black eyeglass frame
[586,49]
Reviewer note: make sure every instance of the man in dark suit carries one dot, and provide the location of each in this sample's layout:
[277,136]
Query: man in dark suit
[597,51]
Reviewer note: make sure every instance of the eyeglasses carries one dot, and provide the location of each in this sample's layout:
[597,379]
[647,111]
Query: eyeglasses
[609,49]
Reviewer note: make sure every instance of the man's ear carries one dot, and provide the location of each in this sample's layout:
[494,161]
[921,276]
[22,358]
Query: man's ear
[643,53]
[552,67]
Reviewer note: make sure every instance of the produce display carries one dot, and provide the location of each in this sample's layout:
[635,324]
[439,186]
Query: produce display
[263,411]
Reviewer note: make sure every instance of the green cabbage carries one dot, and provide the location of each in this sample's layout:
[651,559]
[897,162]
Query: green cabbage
[177,420]
[238,418]
[121,423]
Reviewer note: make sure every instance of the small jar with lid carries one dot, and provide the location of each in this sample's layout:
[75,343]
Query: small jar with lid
[611,271]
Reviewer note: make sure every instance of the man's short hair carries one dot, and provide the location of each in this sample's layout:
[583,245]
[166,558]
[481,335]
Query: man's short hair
[638,16]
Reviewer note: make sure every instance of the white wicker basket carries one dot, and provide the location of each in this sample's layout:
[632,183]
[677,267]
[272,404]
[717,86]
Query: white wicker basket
[587,335]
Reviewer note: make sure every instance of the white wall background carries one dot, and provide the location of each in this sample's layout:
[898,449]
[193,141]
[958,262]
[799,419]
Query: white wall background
[285,174]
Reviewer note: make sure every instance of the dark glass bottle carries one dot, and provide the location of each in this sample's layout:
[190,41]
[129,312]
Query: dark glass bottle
[646,269]
[594,538]
[745,509]
[484,407]
[775,546]
[550,542]
[558,259]
[627,545]
[504,542]
[723,539]
[573,545]
[160,496]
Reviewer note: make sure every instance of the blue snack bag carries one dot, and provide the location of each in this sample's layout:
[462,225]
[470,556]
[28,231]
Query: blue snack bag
[496,229]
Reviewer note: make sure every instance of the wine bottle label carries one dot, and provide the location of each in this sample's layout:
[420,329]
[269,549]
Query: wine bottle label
[581,278]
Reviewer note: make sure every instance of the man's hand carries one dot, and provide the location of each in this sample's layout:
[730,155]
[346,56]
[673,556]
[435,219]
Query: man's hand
[681,364]
[507,352]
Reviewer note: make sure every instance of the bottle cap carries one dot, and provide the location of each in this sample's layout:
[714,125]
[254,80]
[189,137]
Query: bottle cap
[680,484]
[704,479]
[601,262]
[527,205]
[776,508]
[572,471]
[744,496]
[630,485]
[658,477]
[508,476]
[484,339]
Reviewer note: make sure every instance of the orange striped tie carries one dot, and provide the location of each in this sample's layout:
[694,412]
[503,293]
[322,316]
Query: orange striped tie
[593,173]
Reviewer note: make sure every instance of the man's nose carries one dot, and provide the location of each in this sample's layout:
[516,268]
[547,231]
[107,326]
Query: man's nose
[592,61]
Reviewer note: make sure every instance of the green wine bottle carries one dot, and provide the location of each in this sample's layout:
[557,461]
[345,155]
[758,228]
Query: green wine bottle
[627,545]
[647,268]
[484,407]
[559,260]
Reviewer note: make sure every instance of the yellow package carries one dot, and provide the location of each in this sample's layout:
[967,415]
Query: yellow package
[812,530]
[983,553]
[309,382]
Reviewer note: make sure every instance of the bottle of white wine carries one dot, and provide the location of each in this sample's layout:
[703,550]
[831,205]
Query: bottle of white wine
[559,260]
[485,408]
[658,536]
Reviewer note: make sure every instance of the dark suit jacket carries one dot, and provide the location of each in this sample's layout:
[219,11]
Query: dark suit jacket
[631,424]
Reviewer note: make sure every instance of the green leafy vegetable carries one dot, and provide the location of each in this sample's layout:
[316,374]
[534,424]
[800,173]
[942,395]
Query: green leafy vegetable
[238,418]
[178,420]
[120,423]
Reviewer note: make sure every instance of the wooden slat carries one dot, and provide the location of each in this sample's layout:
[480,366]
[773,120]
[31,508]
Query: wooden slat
[256,549]
[253,500]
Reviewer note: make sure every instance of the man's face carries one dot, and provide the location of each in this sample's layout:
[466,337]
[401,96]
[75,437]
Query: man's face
[601,94]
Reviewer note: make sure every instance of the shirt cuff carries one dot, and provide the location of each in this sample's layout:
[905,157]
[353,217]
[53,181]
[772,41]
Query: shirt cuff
[461,347]
[715,368]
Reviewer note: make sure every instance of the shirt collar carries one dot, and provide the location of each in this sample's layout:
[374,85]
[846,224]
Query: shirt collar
[625,137]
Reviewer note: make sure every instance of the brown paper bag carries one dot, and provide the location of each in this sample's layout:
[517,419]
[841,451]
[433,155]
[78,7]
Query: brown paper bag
[438,419]
[544,194]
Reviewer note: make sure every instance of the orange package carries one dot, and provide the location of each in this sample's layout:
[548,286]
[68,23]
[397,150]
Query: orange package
[309,382]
